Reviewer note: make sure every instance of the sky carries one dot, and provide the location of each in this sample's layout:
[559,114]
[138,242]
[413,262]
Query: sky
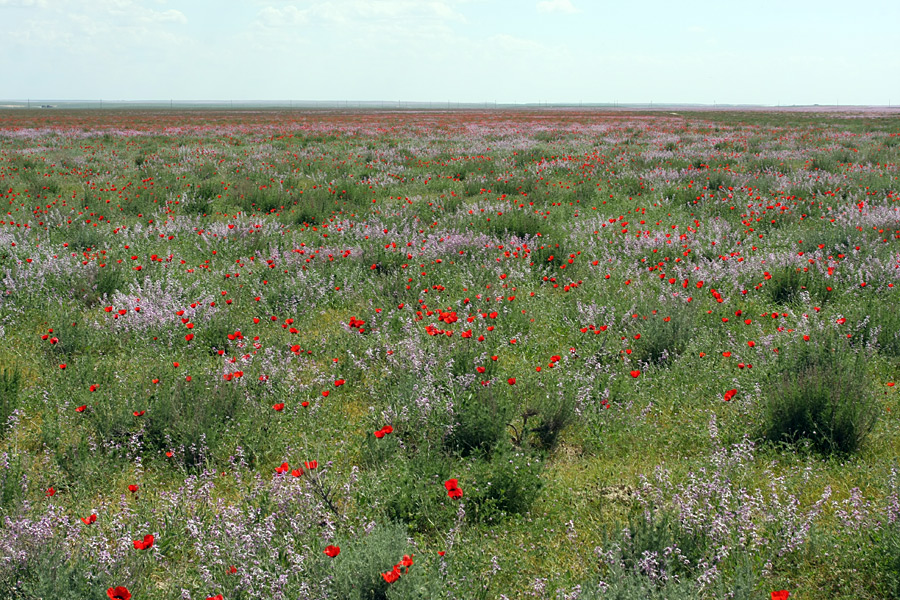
[770,52]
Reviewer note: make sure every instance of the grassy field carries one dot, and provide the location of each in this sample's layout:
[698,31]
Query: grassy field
[262,354]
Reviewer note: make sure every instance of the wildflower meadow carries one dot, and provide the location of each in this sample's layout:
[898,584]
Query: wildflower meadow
[557,354]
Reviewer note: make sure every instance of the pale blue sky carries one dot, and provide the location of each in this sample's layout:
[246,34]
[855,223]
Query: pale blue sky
[697,51]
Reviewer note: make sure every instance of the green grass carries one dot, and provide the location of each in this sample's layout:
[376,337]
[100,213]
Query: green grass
[580,389]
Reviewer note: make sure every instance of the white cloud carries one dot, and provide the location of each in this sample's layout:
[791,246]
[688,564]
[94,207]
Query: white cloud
[556,6]
[24,3]
[166,16]
[279,17]
[362,12]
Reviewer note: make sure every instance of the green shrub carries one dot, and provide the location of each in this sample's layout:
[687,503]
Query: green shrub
[85,237]
[546,259]
[313,206]
[657,531]
[414,493]
[213,334]
[508,484]
[788,283]
[481,422]
[653,557]
[620,584]
[518,223]
[358,568]
[49,575]
[885,545]
[665,334]
[541,421]
[10,383]
[11,473]
[553,417]
[186,417]
[819,393]
[878,324]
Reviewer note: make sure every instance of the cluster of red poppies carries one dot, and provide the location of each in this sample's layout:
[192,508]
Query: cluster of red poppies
[383,431]
[394,574]
[356,324]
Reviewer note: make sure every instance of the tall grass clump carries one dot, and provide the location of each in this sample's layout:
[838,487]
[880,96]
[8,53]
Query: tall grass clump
[664,336]
[358,569]
[10,383]
[878,325]
[819,393]
[787,285]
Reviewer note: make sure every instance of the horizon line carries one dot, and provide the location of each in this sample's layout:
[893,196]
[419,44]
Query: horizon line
[102,103]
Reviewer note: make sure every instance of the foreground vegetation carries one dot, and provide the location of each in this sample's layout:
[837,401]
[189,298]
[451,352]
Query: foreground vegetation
[449,355]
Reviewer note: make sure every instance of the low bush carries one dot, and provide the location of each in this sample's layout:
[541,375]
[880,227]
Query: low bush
[10,382]
[664,336]
[788,283]
[481,422]
[819,393]
[878,325]
[359,568]
[506,485]
[415,494]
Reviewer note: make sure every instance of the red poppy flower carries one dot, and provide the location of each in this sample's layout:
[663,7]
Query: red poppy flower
[81,408]
[635,373]
[392,575]
[332,551]
[118,593]
[89,520]
[780,595]
[278,407]
[730,394]
[297,472]
[51,492]
[311,464]
[216,597]
[133,488]
[511,381]
[325,393]
[453,489]
[379,434]
[139,413]
[144,544]
[284,468]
